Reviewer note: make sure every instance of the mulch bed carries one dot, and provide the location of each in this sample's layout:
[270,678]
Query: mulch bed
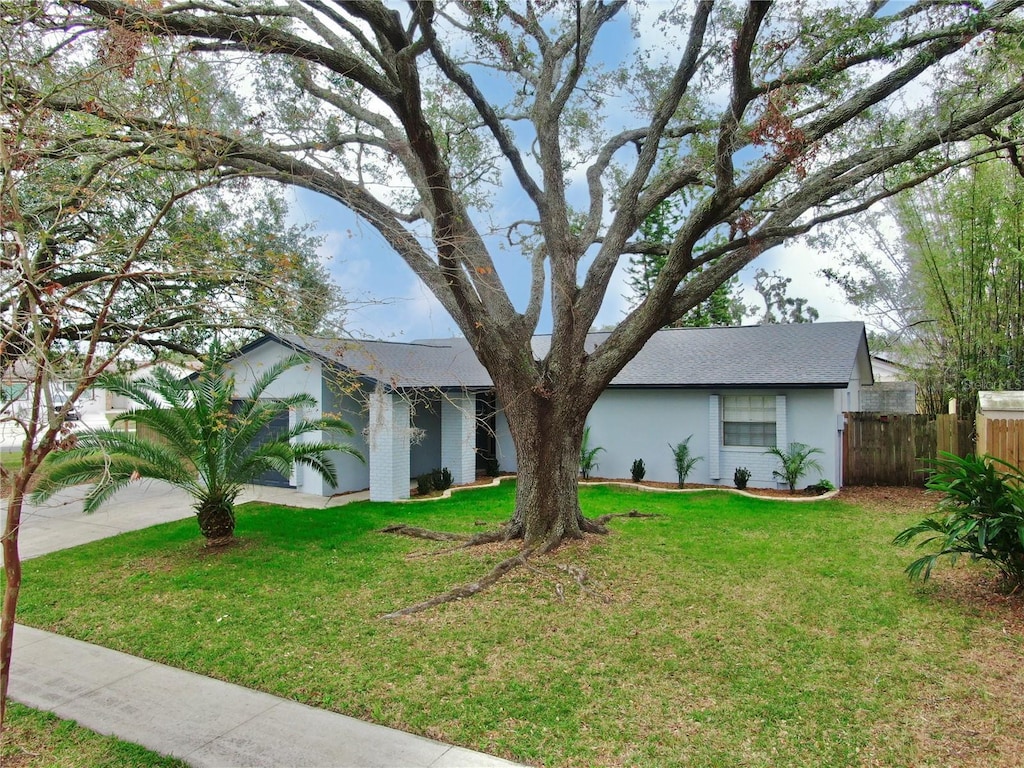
[905,500]
[770,492]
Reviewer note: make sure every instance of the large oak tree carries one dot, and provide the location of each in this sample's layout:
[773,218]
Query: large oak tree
[765,119]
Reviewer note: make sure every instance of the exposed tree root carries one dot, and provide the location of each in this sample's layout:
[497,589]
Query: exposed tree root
[578,574]
[470,540]
[510,532]
[466,590]
[220,541]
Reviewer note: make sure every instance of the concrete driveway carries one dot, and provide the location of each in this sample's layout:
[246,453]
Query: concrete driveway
[60,523]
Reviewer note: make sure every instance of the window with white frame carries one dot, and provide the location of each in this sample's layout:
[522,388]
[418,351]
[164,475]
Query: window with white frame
[748,420]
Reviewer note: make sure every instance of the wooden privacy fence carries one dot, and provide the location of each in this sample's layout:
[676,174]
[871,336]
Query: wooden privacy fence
[1002,438]
[893,449]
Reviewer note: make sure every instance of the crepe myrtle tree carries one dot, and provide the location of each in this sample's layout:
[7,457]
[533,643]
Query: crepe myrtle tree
[764,120]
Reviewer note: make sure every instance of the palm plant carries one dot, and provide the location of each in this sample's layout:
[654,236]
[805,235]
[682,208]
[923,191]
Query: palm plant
[683,460]
[588,455]
[796,463]
[983,500]
[203,442]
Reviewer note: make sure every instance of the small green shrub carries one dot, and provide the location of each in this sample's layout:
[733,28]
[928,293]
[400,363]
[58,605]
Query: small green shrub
[740,477]
[638,471]
[822,486]
[588,455]
[425,484]
[491,467]
[796,463]
[684,461]
[984,518]
[434,480]
[441,479]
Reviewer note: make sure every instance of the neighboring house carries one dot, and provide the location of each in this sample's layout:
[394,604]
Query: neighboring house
[429,404]
[17,390]
[893,391]
[115,403]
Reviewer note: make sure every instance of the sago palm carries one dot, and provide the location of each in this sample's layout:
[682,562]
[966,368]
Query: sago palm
[202,442]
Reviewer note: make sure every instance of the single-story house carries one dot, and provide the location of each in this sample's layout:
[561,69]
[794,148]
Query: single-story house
[430,404]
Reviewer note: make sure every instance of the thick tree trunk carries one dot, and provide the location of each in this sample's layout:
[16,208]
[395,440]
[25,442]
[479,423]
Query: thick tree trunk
[547,433]
[216,521]
[12,572]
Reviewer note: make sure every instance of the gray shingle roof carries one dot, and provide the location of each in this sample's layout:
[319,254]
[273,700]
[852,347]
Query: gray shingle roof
[790,355]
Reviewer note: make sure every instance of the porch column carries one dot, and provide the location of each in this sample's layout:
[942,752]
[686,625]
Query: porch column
[389,446]
[458,436]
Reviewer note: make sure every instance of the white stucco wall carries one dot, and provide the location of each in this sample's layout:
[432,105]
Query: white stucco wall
[642,424]
[338,401]
[815,421]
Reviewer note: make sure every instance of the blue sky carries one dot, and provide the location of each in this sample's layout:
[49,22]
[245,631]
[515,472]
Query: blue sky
[389,302]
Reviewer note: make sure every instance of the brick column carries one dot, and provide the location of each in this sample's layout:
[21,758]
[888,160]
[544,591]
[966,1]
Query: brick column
[458,436]
[388,441]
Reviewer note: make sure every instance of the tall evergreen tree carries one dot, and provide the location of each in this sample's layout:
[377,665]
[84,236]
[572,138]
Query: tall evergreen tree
[723,307]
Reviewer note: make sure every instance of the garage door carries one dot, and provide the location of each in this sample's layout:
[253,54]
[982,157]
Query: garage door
[277,427]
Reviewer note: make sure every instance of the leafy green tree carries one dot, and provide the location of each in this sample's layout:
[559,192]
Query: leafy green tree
[795,462]
[778,307]
[200,438]
[949,287]
[119,243]
[965,240]
[768,119]
[723,307]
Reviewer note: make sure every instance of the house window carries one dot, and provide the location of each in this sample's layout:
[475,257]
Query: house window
[748,420]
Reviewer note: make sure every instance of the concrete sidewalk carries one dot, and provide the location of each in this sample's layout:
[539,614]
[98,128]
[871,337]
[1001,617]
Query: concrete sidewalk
[203,721]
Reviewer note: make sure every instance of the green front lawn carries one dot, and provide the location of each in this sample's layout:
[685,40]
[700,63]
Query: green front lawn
[41,740]
[725,631]
[10,460]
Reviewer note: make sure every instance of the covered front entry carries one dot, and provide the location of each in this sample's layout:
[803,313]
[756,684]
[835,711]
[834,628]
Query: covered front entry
[389,441]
